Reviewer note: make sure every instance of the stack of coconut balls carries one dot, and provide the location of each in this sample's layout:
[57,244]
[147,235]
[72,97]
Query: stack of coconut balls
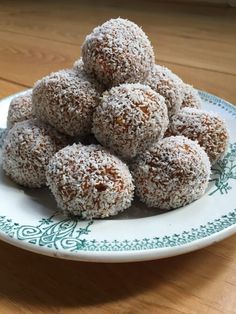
[149,134]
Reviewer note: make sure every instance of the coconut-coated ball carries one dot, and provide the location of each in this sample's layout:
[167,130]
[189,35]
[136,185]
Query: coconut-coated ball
[118,52]
[171,173]
[66,101]
[191,98]
[129,118]
[27,149]
[167,84]
[20,109]
[208,128]
[90,182]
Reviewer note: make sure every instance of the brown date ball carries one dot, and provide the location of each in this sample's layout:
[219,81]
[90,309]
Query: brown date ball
[27,149]
[191,98]
[118,52]
[88,181]
[208,128]
[129,118]
[171,173]
[20,109]
[167,84]
[66,100]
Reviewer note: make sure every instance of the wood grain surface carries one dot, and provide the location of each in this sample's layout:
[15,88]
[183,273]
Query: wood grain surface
[199,44]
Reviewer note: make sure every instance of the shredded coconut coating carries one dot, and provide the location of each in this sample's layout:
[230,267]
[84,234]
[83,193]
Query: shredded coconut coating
[80,71]
[89,182]
[118,52]
[27,149]
[20,109]
[208,128]
[3,134]
[66,101]
[167,84]
[129,118]
[191,97]
[172,173]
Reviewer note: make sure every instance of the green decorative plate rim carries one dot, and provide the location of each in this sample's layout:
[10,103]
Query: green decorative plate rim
[44,235]
[66,236]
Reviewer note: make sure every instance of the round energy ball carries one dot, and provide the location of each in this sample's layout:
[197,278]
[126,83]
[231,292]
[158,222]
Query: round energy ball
[167,84]
[20,109]
[26,151]
[208,128]
[90,182]
[118,52]
[66,101]
[191,98]
[129,118]
[171,173]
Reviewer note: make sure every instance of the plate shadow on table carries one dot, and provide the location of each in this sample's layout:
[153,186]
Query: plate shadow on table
[42,196]
[49,282]
[45,198]
[138,209]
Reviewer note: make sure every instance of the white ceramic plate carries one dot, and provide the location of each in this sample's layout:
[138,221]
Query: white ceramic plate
[29,218]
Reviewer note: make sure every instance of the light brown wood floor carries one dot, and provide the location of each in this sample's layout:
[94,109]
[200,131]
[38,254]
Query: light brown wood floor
[199,44]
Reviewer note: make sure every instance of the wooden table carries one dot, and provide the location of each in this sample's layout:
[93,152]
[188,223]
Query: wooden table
[198,43]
